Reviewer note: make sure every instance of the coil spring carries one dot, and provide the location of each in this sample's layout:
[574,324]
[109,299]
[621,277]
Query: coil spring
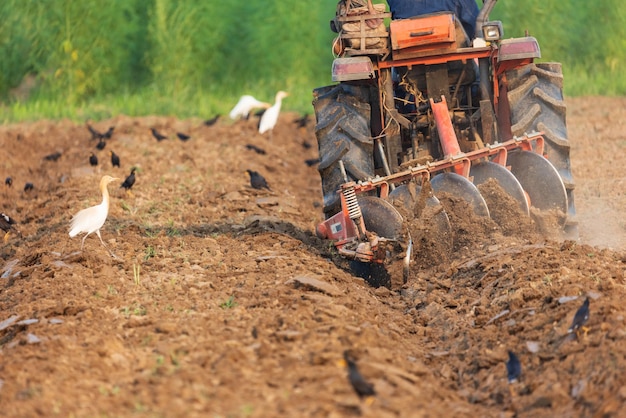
[354,210]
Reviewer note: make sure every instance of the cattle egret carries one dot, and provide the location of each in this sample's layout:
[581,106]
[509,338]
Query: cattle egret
[245,105]
[270,117]
[91,219]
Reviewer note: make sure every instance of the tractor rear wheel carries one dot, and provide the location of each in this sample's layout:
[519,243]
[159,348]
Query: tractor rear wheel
[535,95]
[343,133]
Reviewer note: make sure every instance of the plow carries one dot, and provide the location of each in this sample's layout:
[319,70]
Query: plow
[423,110]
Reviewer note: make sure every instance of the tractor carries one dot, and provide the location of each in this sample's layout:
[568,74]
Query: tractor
[421,109]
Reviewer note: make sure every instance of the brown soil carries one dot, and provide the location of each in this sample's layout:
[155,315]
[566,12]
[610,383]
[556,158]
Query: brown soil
[223,303]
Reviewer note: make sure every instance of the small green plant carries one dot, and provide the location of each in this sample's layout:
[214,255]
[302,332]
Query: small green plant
[140,310]
[172,231]
[228,303]
[111,290]
[150,252]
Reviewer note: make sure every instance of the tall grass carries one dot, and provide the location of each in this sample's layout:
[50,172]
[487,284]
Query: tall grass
[95,59]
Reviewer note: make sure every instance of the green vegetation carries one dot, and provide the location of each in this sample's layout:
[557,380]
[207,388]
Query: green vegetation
[92,59]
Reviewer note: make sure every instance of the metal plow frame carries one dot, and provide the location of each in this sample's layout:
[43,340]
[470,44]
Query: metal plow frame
[347,228]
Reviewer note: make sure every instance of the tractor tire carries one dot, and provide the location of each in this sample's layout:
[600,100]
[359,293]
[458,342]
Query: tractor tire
[535,95]
[343,133]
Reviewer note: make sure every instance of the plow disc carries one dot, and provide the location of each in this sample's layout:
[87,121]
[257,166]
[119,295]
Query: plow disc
[459,186]
[409,200]
[484,171]
[381,217]
[540,180]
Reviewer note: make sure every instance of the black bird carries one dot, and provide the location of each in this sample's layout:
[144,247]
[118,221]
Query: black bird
[52,157]
[130,180]
[28,187]
[101,144]
[580,318]
[358,382]
[95,134]
[182,136]
[302,121]
[312,161]
[513,368]
[259,113]
[159,136]
[256,149]
[109,133]
[257,181]
[8,182]
[93,160]
[211,122]
[115,159]
[6,224]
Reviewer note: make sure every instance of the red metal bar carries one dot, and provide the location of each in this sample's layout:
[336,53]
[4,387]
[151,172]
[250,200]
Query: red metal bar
[456,55]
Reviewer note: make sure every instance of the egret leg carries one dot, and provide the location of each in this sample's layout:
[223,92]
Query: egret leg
[82,244]
[104,245]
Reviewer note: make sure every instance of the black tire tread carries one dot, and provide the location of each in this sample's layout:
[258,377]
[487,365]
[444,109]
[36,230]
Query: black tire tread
[535,94]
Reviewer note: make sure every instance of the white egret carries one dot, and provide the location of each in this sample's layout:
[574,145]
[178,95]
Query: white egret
[245,105]
[270,117]
[91,219]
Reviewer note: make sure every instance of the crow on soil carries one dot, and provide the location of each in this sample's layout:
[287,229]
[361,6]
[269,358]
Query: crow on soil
[115,159]
[129,181]
[256,149]
[182,136]
[159,136]
[580,319]
[257,181]
[212,121]
[362,388]
[52,157]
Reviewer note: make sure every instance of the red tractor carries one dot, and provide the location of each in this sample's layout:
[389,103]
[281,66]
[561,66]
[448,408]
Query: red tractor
[422,109]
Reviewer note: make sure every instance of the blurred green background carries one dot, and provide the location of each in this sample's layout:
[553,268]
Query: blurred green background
[94,59]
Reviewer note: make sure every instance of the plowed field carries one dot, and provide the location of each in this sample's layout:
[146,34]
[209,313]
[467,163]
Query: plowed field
[222,302]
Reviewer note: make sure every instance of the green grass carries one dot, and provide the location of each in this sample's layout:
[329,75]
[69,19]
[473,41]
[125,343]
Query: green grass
[93,60]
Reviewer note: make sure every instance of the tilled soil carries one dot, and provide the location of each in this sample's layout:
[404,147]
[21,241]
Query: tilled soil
[222,302]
